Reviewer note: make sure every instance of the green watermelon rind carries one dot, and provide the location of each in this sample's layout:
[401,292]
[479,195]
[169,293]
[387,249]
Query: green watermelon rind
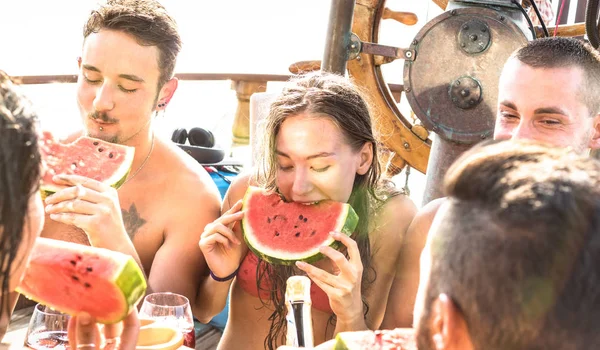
[129,280]
[399,338]
[115,181]
[344,340]
[347,222]
[132,283]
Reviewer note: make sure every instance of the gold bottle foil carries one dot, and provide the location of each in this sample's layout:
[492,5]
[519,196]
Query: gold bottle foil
[299,316]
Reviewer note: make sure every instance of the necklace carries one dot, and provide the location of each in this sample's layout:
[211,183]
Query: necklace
[143,163]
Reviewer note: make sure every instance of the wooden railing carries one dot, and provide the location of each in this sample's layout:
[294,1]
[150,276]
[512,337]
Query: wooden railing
[244,84]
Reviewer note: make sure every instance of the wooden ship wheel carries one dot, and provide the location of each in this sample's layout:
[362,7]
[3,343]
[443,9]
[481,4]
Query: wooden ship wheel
[451,72]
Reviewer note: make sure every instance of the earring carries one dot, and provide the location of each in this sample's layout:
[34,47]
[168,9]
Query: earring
[160,105]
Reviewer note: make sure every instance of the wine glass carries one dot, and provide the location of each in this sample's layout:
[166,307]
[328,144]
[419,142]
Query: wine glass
[47,329]
[171,309]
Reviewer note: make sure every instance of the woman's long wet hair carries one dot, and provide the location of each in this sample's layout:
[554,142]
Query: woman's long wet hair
[334,97]
[19,175]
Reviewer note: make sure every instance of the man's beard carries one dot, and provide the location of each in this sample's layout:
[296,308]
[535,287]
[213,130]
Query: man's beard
[104,137]
[106,119]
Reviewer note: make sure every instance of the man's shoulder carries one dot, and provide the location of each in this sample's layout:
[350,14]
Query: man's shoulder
[430,209]
[182,174]
[424,217]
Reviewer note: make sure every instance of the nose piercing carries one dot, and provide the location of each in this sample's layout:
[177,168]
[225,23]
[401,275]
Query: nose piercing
[101,129]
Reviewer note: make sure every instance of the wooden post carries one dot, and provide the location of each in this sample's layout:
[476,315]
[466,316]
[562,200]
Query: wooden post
[241,121]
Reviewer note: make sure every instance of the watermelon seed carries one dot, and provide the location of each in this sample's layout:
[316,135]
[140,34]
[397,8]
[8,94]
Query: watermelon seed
[268,220]
[87,285]
[95,143]
[305,219]
[313,233]
[100,149]
[73,262]
[110,155]
[277,233]
[79,257]
[75,278]
[88,269]
[300,217]
[297,234]
[295,226]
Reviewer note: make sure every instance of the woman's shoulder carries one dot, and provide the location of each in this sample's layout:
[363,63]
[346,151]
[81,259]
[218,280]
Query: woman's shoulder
[237,189]
[398,207]
[389,197]
[393,214]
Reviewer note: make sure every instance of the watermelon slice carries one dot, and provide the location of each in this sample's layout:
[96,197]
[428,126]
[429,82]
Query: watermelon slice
[96,159]
[397,339]
[73,278]
[283,233]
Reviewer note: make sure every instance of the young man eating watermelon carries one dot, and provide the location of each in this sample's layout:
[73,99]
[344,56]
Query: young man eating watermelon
[157,215]
[548,92]
[319,146]
[22,218]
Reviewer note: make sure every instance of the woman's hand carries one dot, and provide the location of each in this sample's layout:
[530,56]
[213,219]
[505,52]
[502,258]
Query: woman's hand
[84,333]
[221,245]
[343,287]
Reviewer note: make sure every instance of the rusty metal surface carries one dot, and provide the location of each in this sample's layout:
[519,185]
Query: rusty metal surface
[506,3]
[357,46]
[474,36]
[465,92]
[441,61]
[387,51]
[443,154]
[337,41]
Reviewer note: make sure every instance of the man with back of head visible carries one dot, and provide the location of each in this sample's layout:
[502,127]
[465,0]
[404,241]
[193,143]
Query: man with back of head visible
[512,260]
[125,79]
[548,91]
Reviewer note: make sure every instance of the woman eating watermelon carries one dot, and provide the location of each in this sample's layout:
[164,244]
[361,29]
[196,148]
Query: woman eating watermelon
[318,145]
[22,215]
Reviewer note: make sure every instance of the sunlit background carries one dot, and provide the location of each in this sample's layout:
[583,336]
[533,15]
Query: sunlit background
[41,37]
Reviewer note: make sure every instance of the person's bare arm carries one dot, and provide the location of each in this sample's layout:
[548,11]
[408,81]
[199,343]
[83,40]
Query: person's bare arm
[400,304]
[178,265]
[390,227]
[212,294]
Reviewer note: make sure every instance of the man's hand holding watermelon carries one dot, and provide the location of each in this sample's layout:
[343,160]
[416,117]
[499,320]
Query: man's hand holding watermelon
[85,333]
[93,207]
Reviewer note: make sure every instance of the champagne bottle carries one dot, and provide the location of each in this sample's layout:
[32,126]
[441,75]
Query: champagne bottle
[299,317]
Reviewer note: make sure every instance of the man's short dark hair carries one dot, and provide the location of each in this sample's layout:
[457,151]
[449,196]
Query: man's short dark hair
[518,249]
[148,22]
[561,52]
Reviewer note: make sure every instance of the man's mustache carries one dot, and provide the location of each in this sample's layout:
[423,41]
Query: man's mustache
[102,116]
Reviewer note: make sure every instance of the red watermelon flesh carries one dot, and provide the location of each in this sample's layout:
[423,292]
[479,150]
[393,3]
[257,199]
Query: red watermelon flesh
[73,278]
[284,232]
[397,339]
[96,159]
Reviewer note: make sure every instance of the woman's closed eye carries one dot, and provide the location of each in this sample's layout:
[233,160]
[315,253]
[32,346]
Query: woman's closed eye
[321,169]
[285,167]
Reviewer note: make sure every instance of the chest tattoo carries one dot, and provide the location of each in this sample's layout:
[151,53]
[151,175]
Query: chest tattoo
[132,220]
